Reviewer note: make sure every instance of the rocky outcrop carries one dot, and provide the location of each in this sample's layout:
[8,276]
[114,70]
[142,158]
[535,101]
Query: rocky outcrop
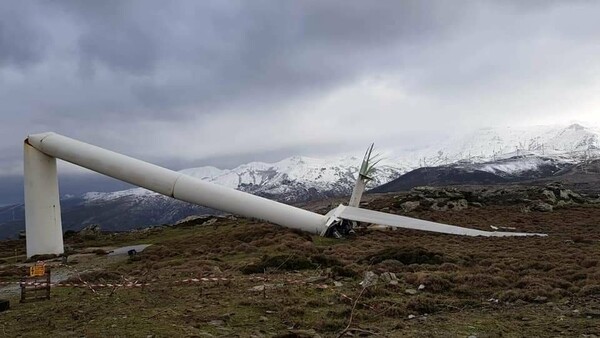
[541,199]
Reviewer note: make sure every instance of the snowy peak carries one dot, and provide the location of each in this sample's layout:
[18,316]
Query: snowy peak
[505,150]
[490,144]
[293,179]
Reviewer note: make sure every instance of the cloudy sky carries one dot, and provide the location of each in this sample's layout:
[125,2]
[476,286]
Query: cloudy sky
[188,83]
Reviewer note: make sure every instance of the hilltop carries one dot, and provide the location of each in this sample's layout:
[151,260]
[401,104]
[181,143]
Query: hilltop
[265,280]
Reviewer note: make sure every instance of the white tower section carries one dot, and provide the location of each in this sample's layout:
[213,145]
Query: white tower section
[43,223]
[42,205]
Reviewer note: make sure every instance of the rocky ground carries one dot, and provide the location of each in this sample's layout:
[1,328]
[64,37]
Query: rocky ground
[544,198]
[246,278]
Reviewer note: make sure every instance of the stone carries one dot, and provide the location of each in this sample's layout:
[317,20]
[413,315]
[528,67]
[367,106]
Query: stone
[388,277]
[305,333]
[541,206]
[370,279]
[338,284]
[458,205]
[216,322]
[90,230]
[412,316]
[548,196]
[210,222]
[562,204]
[426,202]
[257,288]
[409,206]
[316,279]
[421,287]
[410,291]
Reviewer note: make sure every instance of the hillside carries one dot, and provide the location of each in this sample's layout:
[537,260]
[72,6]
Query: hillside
[257,279]
[487,156]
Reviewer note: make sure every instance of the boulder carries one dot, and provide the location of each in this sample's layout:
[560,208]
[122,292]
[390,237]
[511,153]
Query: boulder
[90,231]
[370,279]
[409,206]
[548,196]
[541,206]
[458,205]
[389,278]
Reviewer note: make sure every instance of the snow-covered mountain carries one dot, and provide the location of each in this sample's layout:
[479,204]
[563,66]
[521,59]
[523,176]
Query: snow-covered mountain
[294,179]
[495,154]
[570,142]
[299,178]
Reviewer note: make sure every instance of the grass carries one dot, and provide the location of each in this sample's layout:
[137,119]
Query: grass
[483,286]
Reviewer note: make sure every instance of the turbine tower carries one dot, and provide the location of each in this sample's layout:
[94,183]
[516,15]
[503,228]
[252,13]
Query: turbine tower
[42,204]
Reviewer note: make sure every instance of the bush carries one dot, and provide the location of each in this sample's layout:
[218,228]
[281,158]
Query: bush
[406,256]
[280,262]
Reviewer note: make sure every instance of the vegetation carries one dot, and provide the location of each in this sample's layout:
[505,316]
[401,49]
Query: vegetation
[278,282]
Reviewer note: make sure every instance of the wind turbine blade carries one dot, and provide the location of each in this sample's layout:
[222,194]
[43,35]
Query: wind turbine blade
[381,218]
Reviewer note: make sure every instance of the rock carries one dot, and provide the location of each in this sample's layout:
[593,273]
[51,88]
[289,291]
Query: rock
[369,280]
[316,279]
[548,196]
[458,205]
[409,206]
[305,333]
[216,322]
[388,277]
[412,316]
[562,204]
[541,206]
[260,288]
[410,291]
[210,222]
[423,189]
[338,284]
[90,230]
[421,287]
[439,206]
[426,202]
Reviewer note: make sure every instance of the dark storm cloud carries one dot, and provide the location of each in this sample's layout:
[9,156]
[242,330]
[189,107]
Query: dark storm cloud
[187,81]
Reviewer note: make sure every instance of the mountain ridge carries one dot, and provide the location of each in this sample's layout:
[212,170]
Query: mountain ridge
[538,151]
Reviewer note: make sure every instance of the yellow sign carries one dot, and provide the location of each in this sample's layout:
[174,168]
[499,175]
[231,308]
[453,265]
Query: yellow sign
[39,269]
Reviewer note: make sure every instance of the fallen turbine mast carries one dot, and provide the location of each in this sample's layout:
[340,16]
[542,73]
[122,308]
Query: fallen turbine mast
[42,204]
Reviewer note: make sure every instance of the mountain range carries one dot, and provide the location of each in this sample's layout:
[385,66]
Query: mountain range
[493,155]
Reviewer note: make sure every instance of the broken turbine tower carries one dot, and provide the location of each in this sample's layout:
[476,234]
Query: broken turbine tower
[42,204]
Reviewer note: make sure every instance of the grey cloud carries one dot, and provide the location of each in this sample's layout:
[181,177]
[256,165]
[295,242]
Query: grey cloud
[118,73]
[21,41]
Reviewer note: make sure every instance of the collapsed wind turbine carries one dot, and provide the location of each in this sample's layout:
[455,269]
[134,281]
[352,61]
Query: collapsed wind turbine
[42,204]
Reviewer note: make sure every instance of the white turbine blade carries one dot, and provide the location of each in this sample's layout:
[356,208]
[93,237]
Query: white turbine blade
[381,218]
